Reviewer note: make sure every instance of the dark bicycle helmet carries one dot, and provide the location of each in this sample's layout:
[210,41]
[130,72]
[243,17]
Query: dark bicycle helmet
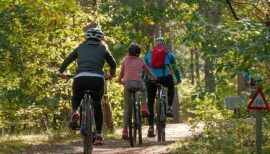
[134,50]
[94,33]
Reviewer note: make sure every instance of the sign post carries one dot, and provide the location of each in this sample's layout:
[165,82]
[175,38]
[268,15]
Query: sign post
[258,132]
[258,103]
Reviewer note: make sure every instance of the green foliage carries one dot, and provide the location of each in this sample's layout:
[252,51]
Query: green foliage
[37,35]
[116,96]
[223,132]
[32,47]
[234,136]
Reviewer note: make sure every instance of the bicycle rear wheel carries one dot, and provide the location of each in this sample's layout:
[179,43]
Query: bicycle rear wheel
[87,130]
[131,124]
[135,129]
[161,119]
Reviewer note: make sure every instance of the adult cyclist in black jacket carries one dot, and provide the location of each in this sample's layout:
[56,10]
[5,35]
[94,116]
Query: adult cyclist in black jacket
[91,56]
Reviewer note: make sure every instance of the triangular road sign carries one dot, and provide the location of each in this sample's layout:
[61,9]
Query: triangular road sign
[258,102]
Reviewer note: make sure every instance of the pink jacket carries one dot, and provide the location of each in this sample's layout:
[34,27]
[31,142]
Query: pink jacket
[132,68]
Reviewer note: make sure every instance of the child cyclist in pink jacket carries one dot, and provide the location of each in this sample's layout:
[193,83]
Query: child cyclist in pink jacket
[131,77]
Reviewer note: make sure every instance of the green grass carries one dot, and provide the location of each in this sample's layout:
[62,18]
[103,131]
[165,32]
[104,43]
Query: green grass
[16,146]
[18,143]
[22,143]
[213,143]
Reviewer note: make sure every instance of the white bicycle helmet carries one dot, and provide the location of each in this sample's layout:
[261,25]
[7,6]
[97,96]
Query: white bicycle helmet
[160,41]
[94,33]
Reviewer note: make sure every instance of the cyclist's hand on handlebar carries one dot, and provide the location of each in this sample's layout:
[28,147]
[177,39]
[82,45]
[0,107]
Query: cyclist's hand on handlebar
[109,76]
[62,75]
[178,81]
[119,81]
[154,78]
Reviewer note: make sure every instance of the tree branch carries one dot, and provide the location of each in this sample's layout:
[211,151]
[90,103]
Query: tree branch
[253,5]
[232,10]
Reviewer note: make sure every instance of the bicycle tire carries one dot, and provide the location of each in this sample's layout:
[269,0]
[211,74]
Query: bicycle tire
[135,128]
[161,117]
[163,122]
[134,123]
[130,123]
[158,121]
[88,136]
[138,120]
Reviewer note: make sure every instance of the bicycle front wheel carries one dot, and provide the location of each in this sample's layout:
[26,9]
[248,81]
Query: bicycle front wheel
[137,127]
[139,124]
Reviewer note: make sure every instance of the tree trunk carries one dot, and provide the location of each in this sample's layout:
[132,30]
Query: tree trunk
[212,13]
[107,113]
[197,66]
[242,86]
[176,107]
[3,131]
[192,66]
[210,85]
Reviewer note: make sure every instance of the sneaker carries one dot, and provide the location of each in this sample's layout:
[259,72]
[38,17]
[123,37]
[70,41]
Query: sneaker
[169,112]
[145,112]
[151,132]
[73,124]
[125,134]
[99,140]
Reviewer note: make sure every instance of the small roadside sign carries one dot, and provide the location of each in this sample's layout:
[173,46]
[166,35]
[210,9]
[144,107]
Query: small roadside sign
[235,102]
[258,102]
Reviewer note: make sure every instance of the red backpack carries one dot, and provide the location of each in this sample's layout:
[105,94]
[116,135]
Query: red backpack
[158,57]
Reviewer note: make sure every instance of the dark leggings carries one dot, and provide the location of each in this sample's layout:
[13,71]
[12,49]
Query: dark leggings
[166,81]
[96,87]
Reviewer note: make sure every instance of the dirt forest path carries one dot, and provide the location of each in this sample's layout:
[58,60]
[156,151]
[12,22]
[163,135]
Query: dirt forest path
[174,132]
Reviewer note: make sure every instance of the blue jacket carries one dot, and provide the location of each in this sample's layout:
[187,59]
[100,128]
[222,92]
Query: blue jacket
[169,60]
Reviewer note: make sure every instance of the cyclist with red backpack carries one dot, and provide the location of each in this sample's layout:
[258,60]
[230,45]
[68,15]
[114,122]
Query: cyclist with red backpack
[162,63]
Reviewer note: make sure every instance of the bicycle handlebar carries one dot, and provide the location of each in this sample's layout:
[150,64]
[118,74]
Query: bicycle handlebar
[68,76]
[153,81]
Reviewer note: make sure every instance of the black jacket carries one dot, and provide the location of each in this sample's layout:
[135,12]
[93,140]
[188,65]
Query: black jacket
[91,56]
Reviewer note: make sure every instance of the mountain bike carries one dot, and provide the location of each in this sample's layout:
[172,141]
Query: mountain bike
[160,111]
[87,121]
[135,127]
